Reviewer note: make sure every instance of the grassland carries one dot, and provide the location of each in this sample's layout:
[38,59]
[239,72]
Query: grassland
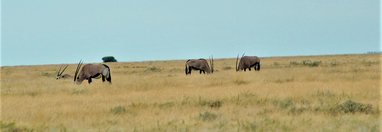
[327,93]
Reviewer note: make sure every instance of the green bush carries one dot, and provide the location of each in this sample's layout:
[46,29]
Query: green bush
[153,69]
[350,106]
[283,104]
[12,127]
[309,63]
[109,59]
[294,63]
[207,116]
[118,110]
[166,105]
[212,104]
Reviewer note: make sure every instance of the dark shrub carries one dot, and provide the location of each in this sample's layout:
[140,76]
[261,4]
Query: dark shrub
[350,106]
[109,59]
[207,116]
[153,69]
[118,110]
[306,63]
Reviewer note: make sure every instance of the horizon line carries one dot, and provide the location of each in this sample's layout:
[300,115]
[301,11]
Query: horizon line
[313,55]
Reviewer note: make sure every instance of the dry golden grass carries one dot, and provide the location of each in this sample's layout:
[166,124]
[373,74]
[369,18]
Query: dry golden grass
[158,96]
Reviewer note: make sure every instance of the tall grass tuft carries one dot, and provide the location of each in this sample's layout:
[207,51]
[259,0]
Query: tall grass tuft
[350,106]
[309,63]
[240,81]
[283,104]
[211,104]
[207,116]
[153,69]
[118,110]
[12,127]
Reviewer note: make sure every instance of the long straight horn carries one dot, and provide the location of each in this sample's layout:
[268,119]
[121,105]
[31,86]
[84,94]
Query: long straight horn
[209,59]
[237,59]
[63,70]
[59,70]
[186,69]
[212,64]
[78,68]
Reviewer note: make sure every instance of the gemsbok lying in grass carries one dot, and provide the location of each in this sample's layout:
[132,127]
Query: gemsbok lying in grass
[62,76]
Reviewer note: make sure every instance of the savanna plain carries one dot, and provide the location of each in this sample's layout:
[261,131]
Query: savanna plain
[302,93]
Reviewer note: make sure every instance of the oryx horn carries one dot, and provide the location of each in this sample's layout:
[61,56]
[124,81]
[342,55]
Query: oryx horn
[77,70]
[237,59]
[60,73]
[212,64]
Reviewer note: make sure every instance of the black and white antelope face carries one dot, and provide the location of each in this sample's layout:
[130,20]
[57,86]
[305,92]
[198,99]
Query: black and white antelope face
[59,74]
[247,62]
[92,71]
[199,64]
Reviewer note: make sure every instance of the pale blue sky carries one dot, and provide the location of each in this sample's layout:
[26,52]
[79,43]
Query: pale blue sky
[65,31]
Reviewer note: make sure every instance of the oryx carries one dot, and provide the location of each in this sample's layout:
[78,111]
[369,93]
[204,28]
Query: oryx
[247,62]
[59,74]
[199,64]
[90,71]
